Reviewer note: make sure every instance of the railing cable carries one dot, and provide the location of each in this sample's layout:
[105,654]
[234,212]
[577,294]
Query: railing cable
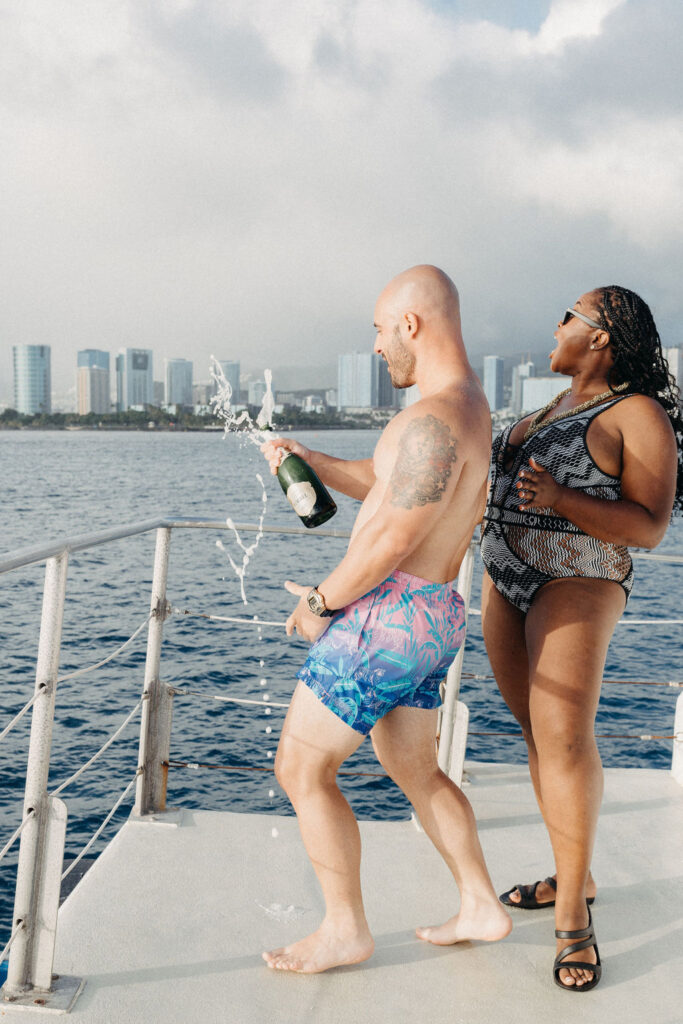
[229,700]
[102,827]
[27,707]
[17,929]
[227,618]
[187,613]
[672,683]
[99,753]
[110,657]
[265,768]
[15,835]
[598,735]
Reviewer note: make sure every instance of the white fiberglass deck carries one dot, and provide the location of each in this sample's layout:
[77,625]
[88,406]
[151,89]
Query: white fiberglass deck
[169,923]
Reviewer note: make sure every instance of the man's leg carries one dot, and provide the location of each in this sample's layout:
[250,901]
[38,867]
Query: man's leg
[313,744]
[405,744]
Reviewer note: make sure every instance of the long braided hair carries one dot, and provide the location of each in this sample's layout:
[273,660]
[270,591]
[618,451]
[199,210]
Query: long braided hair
[638,359]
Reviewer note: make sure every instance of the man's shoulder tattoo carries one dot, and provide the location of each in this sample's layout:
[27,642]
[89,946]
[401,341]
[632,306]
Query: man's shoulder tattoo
[427,452]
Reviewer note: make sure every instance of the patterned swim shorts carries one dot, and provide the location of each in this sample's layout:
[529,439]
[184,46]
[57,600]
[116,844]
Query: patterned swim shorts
[390,648]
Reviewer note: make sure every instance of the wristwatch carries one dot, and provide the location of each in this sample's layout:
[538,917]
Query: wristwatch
[316,604]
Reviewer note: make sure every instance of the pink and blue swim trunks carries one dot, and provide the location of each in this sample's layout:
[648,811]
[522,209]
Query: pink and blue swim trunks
[390,648]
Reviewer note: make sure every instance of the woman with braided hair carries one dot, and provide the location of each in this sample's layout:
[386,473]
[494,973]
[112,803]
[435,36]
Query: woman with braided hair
[573,486]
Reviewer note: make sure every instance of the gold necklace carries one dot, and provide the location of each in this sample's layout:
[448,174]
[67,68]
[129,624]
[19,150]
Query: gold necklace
[538,421]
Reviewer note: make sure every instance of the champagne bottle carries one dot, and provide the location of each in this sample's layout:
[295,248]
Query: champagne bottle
[305,491]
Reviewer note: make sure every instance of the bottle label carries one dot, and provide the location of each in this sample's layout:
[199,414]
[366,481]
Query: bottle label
[302,497]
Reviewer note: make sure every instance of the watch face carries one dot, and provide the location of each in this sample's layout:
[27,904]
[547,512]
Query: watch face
[315,602]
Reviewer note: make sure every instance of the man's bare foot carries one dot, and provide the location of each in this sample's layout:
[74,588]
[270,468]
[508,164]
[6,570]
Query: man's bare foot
[479,920]
[546,894]
[325,948]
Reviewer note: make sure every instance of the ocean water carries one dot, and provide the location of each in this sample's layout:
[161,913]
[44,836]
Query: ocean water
[57,483]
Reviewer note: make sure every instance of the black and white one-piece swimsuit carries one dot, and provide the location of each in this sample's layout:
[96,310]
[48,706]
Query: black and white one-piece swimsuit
[524,550]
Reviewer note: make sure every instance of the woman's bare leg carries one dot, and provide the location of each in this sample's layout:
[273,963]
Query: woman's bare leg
[504,629]
[568,630]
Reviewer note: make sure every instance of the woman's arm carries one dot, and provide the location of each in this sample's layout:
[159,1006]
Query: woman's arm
[648,483]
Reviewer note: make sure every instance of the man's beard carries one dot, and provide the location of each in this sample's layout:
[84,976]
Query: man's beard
[402,365]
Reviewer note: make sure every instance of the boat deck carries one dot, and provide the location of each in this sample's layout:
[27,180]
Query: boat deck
[169,923]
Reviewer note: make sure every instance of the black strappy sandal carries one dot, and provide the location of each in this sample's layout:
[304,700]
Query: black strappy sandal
[528,894]
[587,938]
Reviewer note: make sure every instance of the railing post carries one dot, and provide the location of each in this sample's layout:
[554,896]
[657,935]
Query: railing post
[41,853]
[677,761]
[155,724]
[455,714]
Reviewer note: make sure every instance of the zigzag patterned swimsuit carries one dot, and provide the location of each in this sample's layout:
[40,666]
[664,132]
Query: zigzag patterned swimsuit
[524,550]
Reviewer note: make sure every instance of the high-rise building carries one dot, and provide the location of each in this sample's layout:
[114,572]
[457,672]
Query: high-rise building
[409,396]
[231,369]
[178,382]
[313,403]
[256,390]
[674,357]
[92,381]
[134,378]
[363,382]
[538,391]
[32,380]
[493,381]
[202,394]
[519,375]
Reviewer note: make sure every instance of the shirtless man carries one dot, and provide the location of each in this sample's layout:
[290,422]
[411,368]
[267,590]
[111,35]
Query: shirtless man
[376,665]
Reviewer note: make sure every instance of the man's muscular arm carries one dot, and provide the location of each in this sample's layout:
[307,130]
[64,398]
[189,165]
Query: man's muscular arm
[425,460]
[354,477]
[425,472]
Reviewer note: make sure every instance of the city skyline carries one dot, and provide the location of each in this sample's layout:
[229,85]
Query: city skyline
[362,381]
[204,177]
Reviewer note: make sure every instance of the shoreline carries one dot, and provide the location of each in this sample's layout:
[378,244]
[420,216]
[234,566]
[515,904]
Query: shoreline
[163,429]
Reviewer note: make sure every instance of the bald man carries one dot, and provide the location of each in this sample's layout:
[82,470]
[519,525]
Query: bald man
[386,624]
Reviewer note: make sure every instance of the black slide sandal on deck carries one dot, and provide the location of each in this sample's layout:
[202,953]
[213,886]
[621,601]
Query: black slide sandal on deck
[587,939]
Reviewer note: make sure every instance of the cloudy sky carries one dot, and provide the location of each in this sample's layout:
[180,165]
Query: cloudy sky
[241,177]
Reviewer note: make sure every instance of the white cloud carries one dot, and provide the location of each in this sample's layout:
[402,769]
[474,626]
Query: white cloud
[573,19]
[630,172]
[242,178]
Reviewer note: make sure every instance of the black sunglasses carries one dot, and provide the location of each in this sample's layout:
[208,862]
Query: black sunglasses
[586,319]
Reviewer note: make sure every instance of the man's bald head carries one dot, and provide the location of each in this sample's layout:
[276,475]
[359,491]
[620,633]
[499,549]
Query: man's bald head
[424,291]
[417,317]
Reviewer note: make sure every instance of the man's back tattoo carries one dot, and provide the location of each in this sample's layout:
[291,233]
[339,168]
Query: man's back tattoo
[427,452]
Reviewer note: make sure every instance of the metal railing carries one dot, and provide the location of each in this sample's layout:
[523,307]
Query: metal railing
[42,830]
